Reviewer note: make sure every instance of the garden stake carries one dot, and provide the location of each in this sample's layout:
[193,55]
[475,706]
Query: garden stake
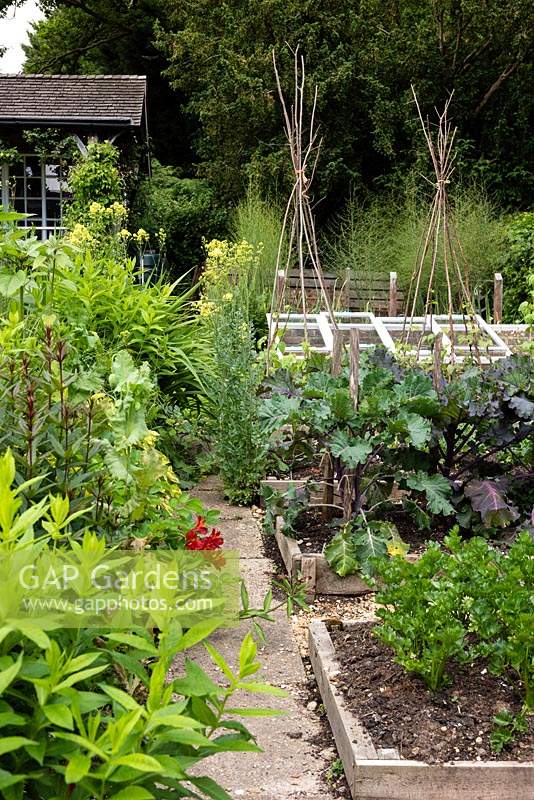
[497,299]
[328,465]
[392,307]
[337,354]
[354,365]
[440,236]
[298,217]
[436,371]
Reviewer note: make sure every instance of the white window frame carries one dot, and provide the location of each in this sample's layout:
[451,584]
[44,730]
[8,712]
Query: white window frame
[43,229]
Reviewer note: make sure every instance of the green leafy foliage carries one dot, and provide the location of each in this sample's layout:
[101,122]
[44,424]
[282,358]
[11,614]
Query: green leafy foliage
[227,307]
[436,489]
[448,451]
[238,442]
[98,714]
[359,545]
[467,602]
[222,114]
[517,263]
[110,741]
[341,553]
[288,505]
[507,727]
[186,210]
[94,178]
[364,443]
[362,60]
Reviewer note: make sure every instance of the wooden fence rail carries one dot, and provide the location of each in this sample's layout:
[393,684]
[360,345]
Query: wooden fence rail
[379,293]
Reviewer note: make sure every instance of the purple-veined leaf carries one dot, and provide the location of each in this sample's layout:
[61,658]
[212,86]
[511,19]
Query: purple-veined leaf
[488,499]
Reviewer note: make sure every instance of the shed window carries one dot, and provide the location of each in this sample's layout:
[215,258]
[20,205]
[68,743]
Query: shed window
[31,186]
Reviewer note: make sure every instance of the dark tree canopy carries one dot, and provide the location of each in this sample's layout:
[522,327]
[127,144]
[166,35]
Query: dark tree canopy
[213,103]
[363,57]
[114,36]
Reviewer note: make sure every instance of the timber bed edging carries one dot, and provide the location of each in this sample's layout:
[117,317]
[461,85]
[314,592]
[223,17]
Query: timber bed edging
[375,774]
[320,576]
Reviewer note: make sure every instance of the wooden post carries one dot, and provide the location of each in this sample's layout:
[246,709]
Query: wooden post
[337,353]
[392,307]
[309,575]
[354,378]
[280,286]
[328,467]
[328,487]
[346,290]
[436,370]
[497,298]
[347,479]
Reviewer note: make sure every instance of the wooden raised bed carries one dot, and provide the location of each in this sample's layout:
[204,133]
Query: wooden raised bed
[283,484]
[315,569]
[380,774]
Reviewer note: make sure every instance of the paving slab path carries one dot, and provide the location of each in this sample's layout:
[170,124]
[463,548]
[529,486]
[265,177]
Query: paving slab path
[291,766]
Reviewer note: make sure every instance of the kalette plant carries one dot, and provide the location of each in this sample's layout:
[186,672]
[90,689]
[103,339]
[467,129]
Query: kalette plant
[447,448]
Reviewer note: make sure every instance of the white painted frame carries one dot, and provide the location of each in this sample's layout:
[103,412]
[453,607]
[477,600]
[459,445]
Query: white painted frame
[383,327]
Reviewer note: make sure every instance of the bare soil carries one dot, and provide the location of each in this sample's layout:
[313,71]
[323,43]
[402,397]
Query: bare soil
[453,724]
[314,533]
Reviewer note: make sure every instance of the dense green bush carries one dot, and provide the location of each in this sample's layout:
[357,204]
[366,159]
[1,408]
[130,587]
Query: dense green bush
[89,713]
[186,210]
[386,236]
[239,445]
[456,449]
[517,264]
[89,359]
[95,177]
[228,305]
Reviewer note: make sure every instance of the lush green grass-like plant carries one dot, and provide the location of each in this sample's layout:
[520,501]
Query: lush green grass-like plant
[259,222]
[386,235]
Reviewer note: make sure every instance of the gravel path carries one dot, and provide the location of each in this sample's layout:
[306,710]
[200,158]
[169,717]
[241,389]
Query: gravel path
[292,764]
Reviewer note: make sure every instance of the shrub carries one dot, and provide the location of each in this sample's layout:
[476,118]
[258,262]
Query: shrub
[154,322]
[185,208]
[89,713]
[81,346]
[238,441]
[94,178]
[227,307]
[517,264]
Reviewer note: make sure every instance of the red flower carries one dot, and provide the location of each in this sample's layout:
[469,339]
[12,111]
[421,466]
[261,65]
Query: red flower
[200,526]
[198,537]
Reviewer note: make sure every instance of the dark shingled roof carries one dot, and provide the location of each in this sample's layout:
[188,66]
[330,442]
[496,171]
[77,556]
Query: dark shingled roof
[72,99]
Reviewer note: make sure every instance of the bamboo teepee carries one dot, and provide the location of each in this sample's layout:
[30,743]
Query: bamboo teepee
[441,238]
[298,241]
